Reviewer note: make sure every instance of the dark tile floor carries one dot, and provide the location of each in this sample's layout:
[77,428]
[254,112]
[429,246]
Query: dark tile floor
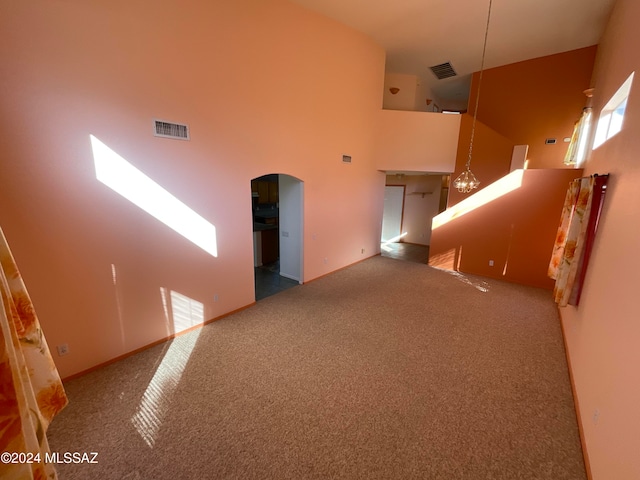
[405,251]
[268,281]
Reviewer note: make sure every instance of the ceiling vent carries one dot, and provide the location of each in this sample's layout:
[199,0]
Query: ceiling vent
[444,70]
[165,129]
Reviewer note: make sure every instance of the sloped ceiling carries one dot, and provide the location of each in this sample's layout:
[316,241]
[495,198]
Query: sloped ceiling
[417,34]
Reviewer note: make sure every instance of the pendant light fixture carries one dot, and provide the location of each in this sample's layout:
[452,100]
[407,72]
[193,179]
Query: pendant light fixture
[467,181]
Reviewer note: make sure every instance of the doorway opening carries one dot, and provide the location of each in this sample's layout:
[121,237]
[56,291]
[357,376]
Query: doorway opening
[277,209]
[411,200]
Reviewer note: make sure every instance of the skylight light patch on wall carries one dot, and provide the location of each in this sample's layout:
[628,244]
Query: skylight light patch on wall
[612,115]
[186,312]
[510,182]
[125,179]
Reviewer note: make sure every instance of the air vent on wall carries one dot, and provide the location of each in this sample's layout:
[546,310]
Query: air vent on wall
[444,70]
[346,158]
[165,129]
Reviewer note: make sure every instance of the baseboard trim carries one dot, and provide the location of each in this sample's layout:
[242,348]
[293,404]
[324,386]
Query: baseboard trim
[165,339]
[153,344]
[583,443]
[290,277]
[341,268]
[413,243]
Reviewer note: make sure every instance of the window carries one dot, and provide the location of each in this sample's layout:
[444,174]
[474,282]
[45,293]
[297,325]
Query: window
[577,151]
[612,115]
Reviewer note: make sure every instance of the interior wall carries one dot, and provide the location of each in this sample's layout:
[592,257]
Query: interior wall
[419,208]
[426,101]
[416,141]
[392,214]
[603,333]
[265,86]
[512,223]
[291,226]
[491,155]
[412,96]
[537,99]
[405,99]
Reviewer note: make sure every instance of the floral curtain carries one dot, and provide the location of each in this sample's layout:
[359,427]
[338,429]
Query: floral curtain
[576,233]
[31,391]
[575,154]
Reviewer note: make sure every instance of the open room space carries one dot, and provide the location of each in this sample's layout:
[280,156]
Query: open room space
[330,380]
[205,205]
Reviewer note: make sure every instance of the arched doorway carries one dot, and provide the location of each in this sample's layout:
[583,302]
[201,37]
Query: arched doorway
[277,214]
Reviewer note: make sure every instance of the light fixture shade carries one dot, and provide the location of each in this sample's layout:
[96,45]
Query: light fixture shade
[466,182]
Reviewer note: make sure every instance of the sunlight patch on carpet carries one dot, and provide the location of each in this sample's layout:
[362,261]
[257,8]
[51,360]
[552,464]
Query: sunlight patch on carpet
[156,400]
[481,286]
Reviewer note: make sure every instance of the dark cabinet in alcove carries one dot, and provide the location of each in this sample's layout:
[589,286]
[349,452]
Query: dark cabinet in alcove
[270,246]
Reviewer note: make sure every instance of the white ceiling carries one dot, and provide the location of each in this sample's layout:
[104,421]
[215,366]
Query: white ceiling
[417,34]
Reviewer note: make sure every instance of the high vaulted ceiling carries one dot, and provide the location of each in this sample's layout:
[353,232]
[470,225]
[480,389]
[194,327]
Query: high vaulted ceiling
[417,34]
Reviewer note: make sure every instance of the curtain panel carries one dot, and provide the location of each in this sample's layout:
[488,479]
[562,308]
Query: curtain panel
[575,237]
[31,392]
[576,151]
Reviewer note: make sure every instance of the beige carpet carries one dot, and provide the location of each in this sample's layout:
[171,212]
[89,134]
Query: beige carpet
[384,370]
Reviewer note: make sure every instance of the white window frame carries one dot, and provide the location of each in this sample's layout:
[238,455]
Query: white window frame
[611,117]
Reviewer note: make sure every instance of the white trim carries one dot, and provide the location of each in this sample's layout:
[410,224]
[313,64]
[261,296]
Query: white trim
[291,277]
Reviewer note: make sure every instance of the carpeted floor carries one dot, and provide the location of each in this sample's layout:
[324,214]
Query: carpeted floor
[384,370]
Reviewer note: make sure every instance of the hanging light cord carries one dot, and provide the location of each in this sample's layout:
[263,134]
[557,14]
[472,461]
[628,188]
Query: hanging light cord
[475,112]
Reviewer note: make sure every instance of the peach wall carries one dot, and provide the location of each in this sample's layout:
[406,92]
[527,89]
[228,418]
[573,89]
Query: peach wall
[515,228]
[423,92]
[412,96]
[416,141]
[266,87]
[530,101]
[490,159]
[405,99]
[603,333]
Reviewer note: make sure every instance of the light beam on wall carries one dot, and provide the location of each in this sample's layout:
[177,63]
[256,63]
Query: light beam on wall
[122,177]
[185,311]
[118,294]
[397,238]
[497,189]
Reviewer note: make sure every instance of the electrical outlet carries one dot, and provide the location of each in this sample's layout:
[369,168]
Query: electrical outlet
[491,263]
[285,234]
[63,349]
[325,260]
[362,251]
[215,297]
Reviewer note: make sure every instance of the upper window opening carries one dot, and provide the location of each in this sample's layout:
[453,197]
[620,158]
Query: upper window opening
[612,115]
